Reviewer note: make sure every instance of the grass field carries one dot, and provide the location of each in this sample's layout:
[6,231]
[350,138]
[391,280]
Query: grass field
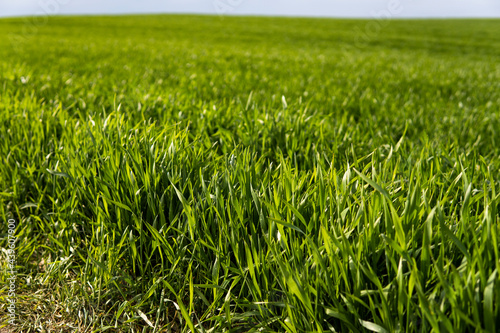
[239,174]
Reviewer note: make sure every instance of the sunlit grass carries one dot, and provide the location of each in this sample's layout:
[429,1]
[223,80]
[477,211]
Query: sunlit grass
[173,173]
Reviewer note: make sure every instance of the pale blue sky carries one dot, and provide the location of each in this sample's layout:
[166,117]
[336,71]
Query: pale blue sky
[333,8]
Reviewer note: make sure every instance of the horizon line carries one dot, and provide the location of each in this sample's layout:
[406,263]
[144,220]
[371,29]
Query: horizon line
[104,14]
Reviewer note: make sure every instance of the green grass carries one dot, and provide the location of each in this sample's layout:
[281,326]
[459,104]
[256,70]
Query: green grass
[223,174]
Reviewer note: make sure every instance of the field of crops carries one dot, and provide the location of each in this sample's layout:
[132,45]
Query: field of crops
[243,174]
